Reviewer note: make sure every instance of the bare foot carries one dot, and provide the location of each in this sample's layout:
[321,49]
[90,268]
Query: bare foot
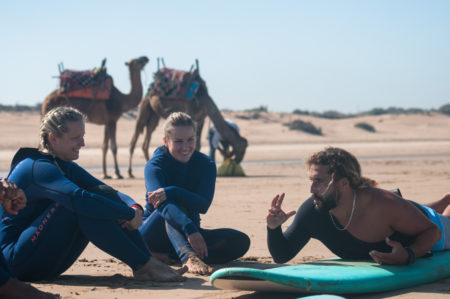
[196,266]
[16,289]
[154,270]
[164,257]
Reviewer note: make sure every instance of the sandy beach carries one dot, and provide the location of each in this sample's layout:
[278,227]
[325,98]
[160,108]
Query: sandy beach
[410,152]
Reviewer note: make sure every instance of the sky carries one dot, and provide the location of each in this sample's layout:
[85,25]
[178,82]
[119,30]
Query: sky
[315,55]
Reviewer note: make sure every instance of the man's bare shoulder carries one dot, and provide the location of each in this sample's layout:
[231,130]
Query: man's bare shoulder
[381,199]
[393,207]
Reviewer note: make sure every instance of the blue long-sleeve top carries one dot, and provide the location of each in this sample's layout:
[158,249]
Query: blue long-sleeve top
[189,185]
[46,180]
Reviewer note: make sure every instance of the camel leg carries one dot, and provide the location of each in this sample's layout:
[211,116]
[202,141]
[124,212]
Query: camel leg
[105,151]
[141,122]
[137,131]
[112,136]
[199,134]
[131,151]
[151,126]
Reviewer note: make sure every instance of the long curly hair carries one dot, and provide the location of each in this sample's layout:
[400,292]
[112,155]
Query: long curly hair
[342,164]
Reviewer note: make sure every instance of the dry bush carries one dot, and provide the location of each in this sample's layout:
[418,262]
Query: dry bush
[304,126]
[365,126]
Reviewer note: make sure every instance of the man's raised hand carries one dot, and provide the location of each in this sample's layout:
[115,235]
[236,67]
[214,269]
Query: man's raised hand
[276,216]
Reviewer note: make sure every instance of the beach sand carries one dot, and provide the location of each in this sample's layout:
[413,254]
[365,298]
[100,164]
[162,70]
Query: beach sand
[410,152]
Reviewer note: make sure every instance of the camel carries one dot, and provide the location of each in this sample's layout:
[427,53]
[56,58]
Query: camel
[105,112]
[152,108]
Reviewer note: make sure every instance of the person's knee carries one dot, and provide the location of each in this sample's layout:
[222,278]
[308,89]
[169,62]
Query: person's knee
[241,242]
[104,190]
[245,242]
[446,198]
[101,189]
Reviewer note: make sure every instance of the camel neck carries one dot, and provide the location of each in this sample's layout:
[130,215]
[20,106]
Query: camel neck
[135,95]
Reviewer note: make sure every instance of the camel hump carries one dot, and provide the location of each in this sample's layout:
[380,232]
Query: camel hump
[90,84]
[173,83]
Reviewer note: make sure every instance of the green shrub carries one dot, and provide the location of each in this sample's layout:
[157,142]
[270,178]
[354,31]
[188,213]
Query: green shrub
[300,112]
[376,111]
[254,115]
[258,109]
[365,126]
[331,114]
[304,126]
[395,110]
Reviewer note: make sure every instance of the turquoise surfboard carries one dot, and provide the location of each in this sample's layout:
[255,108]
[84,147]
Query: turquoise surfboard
[335,276]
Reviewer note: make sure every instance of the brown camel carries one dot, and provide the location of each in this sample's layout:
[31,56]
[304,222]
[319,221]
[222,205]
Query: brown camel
[152,108]
[105,112]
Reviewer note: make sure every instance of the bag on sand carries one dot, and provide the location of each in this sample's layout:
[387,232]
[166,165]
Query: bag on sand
[230,167]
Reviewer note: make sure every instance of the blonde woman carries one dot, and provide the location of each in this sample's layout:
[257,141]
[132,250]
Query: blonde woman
[68,208]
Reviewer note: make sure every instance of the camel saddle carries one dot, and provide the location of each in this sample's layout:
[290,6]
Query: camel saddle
[173,83]
[91,84]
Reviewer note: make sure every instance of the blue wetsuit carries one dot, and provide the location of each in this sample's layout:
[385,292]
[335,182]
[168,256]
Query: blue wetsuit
[189,189]
[5,272]
[66,208]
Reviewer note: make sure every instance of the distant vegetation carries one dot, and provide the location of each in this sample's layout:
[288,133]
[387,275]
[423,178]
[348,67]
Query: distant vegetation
[21,108]
[304,126]
[445,109]
[395,110]
[254,115]
[365,126]
[330,114]
[256,112]
[261,108]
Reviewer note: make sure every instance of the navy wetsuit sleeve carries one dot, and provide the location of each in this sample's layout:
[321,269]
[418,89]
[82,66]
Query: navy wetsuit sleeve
[196,202]
[155,177]
[81,177]
[284,246]
[85,180]
[49,182]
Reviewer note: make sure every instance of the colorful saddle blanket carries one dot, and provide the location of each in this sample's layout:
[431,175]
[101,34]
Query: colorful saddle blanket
[95,84]
[174,83]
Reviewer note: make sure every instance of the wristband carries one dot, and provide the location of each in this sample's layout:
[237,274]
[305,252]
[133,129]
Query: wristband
[136,205]
[411,256]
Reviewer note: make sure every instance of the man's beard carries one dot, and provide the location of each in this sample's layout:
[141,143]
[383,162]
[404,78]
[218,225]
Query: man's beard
[327,202]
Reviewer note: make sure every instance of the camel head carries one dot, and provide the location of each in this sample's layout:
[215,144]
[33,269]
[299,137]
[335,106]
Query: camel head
[239,149]
[137,63]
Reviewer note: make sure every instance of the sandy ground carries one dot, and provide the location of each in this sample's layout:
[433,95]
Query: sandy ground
[407,152]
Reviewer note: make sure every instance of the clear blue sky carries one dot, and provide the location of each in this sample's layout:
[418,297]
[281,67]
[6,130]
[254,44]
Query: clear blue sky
[348,56]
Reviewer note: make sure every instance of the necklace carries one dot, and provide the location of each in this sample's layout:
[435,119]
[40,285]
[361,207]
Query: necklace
[349,219]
